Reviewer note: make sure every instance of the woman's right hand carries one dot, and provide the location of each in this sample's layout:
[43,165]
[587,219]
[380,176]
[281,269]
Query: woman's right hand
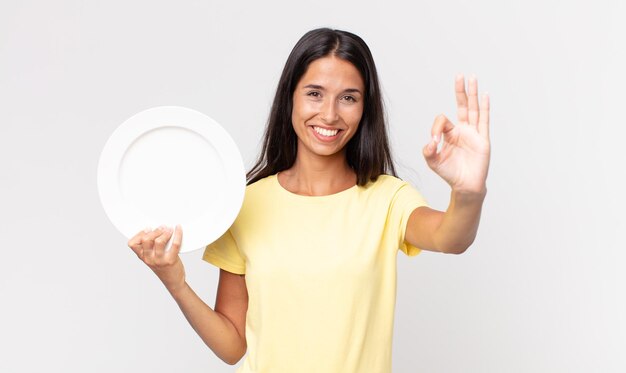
[149,245]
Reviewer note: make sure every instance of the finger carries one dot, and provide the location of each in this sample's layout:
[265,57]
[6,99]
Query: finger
[483,122]
[430,152]
[177,240]
[461,99]
[148,245]
[473,101]
[440,126]
[161,241]
[135,242]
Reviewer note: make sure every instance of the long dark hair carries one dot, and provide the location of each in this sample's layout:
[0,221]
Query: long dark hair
[367,153]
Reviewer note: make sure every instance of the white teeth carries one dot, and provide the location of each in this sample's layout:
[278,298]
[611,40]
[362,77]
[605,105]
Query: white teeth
[325,132]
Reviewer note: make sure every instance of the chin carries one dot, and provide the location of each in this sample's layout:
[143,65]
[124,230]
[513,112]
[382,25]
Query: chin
[326,151]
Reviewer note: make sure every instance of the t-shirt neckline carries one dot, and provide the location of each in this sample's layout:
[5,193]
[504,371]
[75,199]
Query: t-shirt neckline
[283,190]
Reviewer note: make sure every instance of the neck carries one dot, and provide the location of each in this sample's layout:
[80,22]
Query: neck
[316,175]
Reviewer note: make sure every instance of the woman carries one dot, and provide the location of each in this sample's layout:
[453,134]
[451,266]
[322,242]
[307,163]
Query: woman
[308,269]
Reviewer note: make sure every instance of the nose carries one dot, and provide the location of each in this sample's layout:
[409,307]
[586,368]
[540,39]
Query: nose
[329,111]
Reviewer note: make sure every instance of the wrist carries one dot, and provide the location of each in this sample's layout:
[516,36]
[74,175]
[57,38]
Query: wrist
[464,195]
[177,290]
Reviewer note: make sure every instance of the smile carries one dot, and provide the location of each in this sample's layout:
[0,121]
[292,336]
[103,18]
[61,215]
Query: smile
[325,132]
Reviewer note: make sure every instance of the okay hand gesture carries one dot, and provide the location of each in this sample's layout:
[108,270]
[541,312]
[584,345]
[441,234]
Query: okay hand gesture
[463,161]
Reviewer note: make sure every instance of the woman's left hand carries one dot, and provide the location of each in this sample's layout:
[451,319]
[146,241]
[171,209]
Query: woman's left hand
[463,161]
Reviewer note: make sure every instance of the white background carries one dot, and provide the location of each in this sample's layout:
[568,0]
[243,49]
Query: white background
[541,290]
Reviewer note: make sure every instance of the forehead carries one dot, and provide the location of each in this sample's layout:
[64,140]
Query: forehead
[332,72]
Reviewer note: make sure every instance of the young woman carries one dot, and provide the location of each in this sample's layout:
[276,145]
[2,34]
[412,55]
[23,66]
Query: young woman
[308,269]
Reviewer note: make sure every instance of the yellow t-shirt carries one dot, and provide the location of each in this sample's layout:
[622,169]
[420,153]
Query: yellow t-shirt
[320,273]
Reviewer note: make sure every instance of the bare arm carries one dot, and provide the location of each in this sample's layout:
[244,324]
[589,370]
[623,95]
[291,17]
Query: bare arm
[450,232]
[222,329]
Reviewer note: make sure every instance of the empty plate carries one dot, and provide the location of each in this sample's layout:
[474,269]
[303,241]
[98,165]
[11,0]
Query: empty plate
[172,165]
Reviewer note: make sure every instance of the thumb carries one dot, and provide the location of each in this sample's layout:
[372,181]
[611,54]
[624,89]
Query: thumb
[176,240]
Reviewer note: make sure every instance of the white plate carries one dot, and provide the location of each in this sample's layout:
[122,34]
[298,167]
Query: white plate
[172,165]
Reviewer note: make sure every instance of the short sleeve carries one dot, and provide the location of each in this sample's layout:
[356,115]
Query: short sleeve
[225,254]
[405,201]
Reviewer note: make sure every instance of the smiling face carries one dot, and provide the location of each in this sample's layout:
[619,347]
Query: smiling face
[327,106]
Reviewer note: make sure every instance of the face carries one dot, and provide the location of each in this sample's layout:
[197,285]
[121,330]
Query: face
[327,106]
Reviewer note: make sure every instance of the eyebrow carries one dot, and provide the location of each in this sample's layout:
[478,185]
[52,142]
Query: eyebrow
[348,90]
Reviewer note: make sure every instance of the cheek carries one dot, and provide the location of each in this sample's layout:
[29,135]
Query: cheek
[300,112]
[354,116]
[295,116]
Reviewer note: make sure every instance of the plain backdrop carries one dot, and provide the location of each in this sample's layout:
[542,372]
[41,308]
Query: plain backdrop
[542,289]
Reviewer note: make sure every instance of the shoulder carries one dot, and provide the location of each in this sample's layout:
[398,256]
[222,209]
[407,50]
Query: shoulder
[394,191]
[257,201]
[386,183]
[384,190]
[260,192]
[261,186]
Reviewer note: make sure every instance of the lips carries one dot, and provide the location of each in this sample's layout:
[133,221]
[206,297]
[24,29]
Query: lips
[325,134]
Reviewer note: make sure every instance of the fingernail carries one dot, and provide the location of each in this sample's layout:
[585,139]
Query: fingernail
[435,139]
[147,230]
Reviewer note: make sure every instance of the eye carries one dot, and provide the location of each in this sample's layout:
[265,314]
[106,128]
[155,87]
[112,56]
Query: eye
[349,98]
[313,94]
